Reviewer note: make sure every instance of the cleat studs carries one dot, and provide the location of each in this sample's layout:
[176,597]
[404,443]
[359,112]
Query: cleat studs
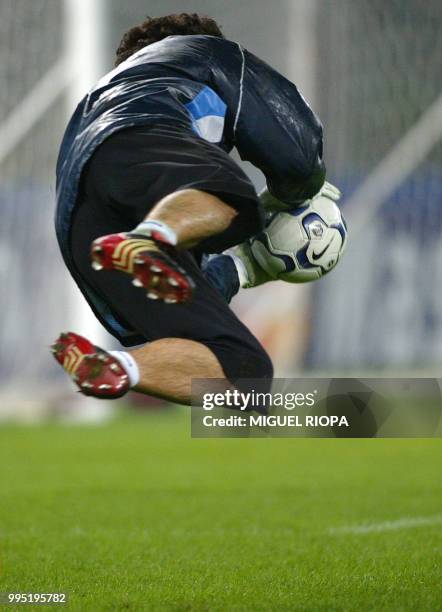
[138,261]
[137,283]
[86,385]
[152,295]
[170,300]
[104,387]
[97,266]
[155,269]
[101,357]
[114,367]
[154,281]
[97,249]
[173,282]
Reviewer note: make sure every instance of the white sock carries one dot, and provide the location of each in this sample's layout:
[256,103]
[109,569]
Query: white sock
[145,228]
[129,364]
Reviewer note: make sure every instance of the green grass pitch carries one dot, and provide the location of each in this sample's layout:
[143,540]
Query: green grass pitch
[135,515]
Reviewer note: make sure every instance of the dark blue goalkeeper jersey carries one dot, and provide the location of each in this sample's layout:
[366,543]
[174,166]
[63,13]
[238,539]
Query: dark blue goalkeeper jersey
[215,88]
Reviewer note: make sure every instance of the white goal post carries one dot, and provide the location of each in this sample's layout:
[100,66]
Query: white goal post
[85,27]
[61,56]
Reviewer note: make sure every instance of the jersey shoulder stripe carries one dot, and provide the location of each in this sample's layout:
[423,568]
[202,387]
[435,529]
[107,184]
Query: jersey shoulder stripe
[207,112]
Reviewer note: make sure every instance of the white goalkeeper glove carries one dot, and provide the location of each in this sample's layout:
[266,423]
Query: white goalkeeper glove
[328,191]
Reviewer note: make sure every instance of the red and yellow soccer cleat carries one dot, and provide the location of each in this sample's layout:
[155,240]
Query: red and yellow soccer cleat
[93,370]
[150,263]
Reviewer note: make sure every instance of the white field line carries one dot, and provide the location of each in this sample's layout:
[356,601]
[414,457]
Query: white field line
[402,523]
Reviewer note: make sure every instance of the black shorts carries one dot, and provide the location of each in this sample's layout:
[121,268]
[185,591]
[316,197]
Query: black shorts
[127,175]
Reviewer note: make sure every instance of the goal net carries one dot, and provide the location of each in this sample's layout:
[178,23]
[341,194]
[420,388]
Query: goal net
[380,99]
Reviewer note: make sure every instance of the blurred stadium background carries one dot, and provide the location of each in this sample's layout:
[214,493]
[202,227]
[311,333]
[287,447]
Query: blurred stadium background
[370,69]
[136,515]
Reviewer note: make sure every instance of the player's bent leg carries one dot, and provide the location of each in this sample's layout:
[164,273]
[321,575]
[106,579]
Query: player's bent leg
[164,368]
[148,253]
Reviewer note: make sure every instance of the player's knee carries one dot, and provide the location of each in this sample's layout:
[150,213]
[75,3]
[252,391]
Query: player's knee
[257,378]
[256,363]
[263,365]
[242,359]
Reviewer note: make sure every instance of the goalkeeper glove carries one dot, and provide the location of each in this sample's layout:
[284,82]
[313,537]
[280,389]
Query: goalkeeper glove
[270,203]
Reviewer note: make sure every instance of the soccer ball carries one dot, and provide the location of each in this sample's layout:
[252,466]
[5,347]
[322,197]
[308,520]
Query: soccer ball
[302,245]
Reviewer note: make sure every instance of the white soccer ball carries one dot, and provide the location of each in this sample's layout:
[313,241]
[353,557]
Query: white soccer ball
[302,245]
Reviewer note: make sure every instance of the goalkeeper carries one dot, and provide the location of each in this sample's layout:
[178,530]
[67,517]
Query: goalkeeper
[146,189]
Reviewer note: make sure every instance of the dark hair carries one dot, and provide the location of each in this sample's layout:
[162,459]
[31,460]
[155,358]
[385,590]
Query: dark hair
[157,28]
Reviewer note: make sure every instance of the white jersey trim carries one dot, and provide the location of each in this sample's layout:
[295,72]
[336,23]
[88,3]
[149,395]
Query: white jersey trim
[241,83]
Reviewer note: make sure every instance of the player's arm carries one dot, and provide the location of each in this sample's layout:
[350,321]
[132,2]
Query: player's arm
[277,131]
